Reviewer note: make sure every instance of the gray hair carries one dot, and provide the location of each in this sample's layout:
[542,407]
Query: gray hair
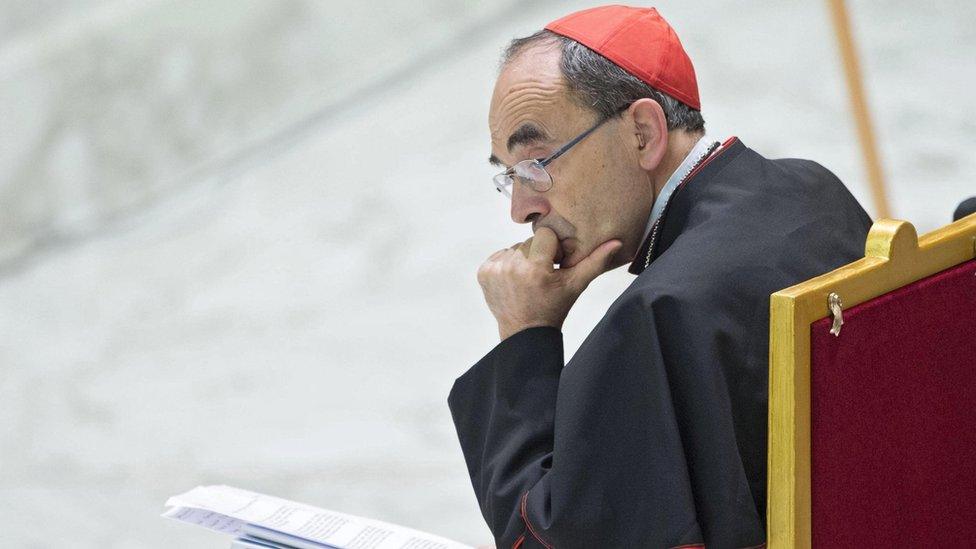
[598,84]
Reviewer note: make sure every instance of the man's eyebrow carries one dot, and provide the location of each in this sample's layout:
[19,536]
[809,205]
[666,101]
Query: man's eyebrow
[525,134]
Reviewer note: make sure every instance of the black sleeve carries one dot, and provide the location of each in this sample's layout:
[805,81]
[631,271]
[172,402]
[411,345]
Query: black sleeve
[589,455]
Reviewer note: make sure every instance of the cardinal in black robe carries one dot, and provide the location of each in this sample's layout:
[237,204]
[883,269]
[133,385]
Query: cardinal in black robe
[654,433]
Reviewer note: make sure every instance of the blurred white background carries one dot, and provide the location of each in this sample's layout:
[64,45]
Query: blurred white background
[238,239]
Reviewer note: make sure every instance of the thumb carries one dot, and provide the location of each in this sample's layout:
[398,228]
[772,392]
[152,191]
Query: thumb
[593,265]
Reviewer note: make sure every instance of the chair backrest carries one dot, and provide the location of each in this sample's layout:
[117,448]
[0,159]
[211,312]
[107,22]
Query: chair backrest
[872,396]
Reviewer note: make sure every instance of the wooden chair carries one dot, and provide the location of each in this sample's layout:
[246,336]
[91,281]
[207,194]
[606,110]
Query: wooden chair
[872,397]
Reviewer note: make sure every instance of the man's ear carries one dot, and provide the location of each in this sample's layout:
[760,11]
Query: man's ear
[650,132]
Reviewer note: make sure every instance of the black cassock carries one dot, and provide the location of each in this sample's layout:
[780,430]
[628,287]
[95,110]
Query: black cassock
[654,434]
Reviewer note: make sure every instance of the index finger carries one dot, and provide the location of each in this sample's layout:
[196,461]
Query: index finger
[544,246]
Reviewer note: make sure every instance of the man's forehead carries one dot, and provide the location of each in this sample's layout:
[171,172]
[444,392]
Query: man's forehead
[529,101]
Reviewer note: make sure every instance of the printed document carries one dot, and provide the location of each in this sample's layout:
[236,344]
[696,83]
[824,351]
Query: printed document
[262,520]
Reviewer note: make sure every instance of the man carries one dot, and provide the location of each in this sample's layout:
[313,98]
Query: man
[654,434]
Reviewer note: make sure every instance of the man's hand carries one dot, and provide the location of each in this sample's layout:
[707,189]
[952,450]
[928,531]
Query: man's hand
[523,290]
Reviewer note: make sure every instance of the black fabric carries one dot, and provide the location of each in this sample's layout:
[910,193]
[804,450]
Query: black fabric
[966,207]
[654,434]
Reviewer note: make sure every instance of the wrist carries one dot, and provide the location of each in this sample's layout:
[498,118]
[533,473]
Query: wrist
[506,331]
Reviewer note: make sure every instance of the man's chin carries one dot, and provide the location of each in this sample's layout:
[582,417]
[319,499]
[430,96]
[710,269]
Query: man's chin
[567,261]
[570,260]
[564,257]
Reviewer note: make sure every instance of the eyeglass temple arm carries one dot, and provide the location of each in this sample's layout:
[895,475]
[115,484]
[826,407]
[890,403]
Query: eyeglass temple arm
[562,150]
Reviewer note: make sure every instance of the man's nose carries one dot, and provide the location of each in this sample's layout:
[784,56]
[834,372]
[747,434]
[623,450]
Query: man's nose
[527,204]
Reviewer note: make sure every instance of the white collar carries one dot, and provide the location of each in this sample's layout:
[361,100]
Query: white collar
[694,156]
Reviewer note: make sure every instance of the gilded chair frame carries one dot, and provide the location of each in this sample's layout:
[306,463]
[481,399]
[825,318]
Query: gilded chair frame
[894,257]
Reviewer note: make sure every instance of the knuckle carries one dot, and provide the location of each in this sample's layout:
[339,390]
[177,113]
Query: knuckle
[523,269]
[485,272]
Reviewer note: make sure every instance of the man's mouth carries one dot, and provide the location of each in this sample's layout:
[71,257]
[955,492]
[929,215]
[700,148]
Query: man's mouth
[560,254]
[564,251]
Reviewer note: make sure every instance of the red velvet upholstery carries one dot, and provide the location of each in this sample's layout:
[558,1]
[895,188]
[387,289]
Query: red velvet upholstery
[893,419]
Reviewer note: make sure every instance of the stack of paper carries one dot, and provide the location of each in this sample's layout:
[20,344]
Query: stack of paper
[262,522]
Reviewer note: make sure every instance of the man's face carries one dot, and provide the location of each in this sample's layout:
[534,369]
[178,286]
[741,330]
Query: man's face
[599,191]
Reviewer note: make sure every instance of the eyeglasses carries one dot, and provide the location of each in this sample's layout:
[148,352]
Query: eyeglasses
[532,172]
